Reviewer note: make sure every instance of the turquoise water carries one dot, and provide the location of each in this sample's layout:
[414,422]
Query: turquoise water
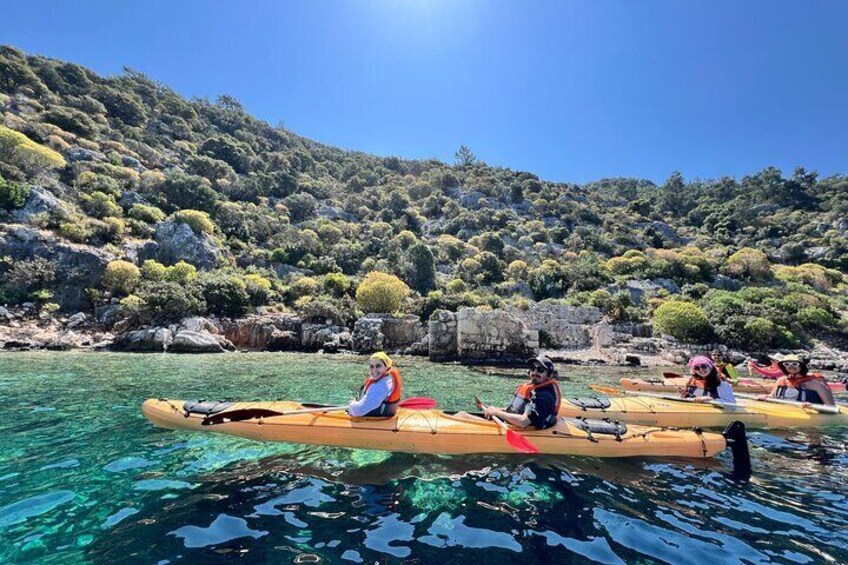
[84,478]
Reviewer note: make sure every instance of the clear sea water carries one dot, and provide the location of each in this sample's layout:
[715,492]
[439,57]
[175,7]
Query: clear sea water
[84,478]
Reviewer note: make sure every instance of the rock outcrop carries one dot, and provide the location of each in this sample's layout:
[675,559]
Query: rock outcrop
[378,332]
[176,241]
[270,332]
[149,339]
[494,335]
[187,341]
[78,267]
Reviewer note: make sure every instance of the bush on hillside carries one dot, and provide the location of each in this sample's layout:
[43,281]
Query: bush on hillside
[20,151]
[181,272]
[12,194]
[748,264]
[197,220]
[683,320]
[152,270]
[381,293]
[121,277]
[144,213]
[168,301]
[225,295]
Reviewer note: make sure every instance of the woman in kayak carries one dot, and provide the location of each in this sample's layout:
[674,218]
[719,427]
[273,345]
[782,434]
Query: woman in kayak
[535,403]
[705,384]
[725,370]
[797,383]
[381,393]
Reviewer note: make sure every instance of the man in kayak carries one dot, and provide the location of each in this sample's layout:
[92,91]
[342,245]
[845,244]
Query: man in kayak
[535,403]
[705,384]
[381,392]
[797,383]
[725,370]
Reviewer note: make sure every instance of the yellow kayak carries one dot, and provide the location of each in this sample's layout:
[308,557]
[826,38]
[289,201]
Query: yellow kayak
[652,411]
[751,386]
[427,431]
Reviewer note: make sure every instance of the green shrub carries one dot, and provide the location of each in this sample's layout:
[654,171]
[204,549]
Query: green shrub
[457,286]
[421,267]
[78,231]
[381,292]
[683,320]
[225,295]
[25,154]
[121,277]
[132,305]
[114,229]
[305,286]
[19,278]
[814,318]
[152,270]
[12,194]
[167,301]
[181,272]
[143,213]
[748,264]
[337,284]
[259,289]
[198,221]
[100,205]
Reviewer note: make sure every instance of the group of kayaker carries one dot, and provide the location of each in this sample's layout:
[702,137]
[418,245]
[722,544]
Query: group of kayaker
[711,379]
[534,404]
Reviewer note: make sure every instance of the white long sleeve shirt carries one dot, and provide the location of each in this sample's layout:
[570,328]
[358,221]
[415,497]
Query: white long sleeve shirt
[376,394]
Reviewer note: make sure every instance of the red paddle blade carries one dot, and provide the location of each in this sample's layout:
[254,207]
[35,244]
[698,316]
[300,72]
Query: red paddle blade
[672,375]
[418,403]
[520,443]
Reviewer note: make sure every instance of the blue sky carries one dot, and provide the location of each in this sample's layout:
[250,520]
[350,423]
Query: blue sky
[572,91]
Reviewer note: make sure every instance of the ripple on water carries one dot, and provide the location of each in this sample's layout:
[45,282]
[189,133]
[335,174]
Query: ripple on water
[117,517]
[162,484]
[21,510]
[447,531]
[223,529]
[128,463]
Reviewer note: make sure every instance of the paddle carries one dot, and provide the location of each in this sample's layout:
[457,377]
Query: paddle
[414,403]
[821,408]
[713,402]
[513,438]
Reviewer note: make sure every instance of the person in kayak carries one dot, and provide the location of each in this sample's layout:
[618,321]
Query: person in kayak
[705,384]
[380,394]
[535,403]
[725,370]
[766,371]
[797,383]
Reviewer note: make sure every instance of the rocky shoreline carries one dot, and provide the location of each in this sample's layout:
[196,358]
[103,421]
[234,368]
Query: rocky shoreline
[569,335]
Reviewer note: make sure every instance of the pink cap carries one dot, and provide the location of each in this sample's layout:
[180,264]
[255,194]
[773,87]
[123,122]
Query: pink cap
[700,360]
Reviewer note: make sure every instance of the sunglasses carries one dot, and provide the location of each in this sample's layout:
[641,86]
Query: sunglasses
[538,369]
[701,367]
[791,364]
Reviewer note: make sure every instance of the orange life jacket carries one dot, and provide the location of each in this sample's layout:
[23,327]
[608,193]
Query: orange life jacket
[389,405]
[799,383]
[696,383]
[524,393]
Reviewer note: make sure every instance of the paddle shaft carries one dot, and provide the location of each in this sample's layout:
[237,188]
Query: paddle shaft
[822,408]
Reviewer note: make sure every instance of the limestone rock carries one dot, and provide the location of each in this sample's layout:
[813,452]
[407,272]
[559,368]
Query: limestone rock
[176,241]
[187,341]
[78,267]
[272,332]
[325,336]
[76,320]
[39,201]
[149,339]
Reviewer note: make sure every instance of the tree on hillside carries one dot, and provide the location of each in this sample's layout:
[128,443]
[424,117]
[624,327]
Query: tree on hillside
[465,158]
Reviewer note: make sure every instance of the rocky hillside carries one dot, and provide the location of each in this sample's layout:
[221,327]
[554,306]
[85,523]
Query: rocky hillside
[116,191]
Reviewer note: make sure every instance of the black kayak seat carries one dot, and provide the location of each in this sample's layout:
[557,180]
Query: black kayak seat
[591,403]
[204,407]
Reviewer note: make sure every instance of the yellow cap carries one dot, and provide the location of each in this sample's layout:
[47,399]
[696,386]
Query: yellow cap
[387,361]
